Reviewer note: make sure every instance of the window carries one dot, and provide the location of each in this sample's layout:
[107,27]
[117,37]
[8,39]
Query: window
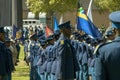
[34,22]
[29,22]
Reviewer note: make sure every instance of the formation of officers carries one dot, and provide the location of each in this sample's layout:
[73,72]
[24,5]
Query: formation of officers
[62,56]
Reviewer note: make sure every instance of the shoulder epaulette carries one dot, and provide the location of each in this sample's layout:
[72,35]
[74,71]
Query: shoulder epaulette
[99,46]
[103,44]
[61,42]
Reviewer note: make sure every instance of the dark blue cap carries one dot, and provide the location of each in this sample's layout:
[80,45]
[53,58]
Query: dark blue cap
[41,38]
[115,19]
[2,30]
[76,35]
[88,39]
[40,33]
[43,42]
[109,33]
[34,36]
[84,36]
[65,25]
[50,37]
[94,41]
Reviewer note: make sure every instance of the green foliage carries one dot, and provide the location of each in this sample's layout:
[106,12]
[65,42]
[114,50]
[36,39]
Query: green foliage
[111,5]
[61,6]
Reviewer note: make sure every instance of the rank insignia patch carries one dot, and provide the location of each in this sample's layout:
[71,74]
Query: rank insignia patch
[62,42]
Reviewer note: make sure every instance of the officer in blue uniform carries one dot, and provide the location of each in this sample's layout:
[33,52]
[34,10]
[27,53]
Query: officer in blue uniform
[53,68]
[77,45]
[6,66]
[67,63]
[42,63]
[7,43]
[85,57]
[49,51]
[107,63]
[26,51]
[3,72]
[34,47]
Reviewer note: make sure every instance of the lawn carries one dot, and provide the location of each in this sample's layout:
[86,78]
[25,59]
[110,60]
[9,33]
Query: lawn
[22,70]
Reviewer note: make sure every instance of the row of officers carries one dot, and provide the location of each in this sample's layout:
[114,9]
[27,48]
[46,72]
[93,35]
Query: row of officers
[60,57]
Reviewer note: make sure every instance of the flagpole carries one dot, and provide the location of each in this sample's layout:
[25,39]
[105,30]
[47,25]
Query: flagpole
[89,7]
[61,19]
[89,14]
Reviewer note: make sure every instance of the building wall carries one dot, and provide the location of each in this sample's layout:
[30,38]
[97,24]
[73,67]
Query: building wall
[5,13]
[100,19]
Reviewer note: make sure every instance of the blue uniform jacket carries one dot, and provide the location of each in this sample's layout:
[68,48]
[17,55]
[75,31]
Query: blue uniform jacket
[6,64]
[50,58]
[42,62]
[68,64]
[107,62]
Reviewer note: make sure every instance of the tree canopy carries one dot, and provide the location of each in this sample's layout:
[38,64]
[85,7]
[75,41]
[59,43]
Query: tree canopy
[111,5]
[61,6]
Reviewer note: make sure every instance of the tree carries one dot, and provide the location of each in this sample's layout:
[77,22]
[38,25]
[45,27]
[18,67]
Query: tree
[111,5]
[47,6]
[50,7]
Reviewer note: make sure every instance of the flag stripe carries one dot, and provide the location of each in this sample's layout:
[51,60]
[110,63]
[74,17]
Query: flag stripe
[86,27]
[81,15]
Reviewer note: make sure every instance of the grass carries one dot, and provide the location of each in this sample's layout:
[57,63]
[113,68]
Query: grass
[22,70]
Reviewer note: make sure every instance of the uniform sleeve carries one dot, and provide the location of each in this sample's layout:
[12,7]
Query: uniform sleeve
[100,71]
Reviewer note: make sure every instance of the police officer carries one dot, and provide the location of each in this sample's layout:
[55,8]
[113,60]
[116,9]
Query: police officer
[77,45]
[26,51]
[67,63]
[107,62]
[34,47]
[53,68]
[49,51]
[42,62]
[6,66]
[7,43]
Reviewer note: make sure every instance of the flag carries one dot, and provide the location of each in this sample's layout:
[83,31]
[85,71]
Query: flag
[18,35]
[15,30]
[21,36]
[55,24]
[86,25]
[48,31]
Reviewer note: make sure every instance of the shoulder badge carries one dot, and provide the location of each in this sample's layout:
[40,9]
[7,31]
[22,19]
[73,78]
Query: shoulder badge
[62,42]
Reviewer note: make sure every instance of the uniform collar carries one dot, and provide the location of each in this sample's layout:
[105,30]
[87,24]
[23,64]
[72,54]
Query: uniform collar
[117,38]
[62,37]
